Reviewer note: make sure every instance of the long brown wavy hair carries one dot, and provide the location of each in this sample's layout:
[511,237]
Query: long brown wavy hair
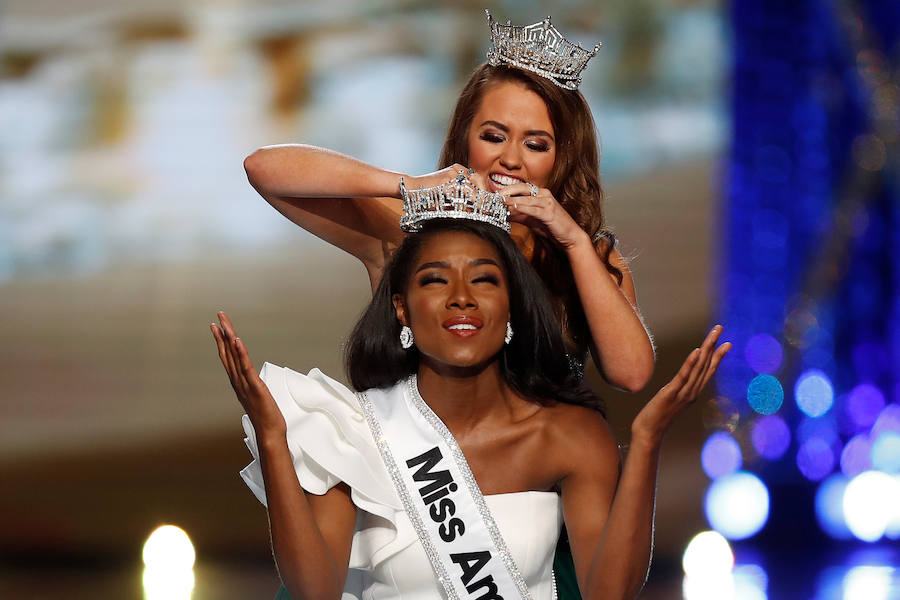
[574,182]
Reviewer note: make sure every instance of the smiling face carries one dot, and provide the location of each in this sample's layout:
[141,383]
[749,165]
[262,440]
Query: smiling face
[456,301]
[511,137]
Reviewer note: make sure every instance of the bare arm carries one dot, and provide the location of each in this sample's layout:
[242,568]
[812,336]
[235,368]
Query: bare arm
[620,344]
[311,535]
[344,201]
[612,541]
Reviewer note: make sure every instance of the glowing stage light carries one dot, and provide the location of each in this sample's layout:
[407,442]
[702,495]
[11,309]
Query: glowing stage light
[814,393]
[763,353]
[856,456]
[886,452]
[868,583]
[708,553]
[721,455]
[888,420]
[830,507]
[737,505]
[765,394]
[168,564]
[771,437]
[750,582]
[815,459]
[870,504]
[864,403]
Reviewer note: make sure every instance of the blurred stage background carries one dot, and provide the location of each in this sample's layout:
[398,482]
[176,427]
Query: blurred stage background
[749,154]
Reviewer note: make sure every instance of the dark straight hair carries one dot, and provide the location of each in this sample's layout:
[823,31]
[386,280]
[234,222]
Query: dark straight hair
[534,363]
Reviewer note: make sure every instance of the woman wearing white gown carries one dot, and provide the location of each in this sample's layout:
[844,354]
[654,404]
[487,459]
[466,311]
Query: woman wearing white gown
[486,375]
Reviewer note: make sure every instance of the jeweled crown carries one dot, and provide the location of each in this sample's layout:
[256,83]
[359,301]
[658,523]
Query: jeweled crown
[539,48]
[459,198]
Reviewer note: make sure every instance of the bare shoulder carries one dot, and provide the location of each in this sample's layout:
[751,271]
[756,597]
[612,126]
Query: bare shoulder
[581,435]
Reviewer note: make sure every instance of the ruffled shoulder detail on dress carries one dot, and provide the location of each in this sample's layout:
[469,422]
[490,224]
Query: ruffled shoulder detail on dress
[330,442]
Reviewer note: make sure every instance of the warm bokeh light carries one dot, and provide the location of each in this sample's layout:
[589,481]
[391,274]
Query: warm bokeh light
[168,547]
[737,505]
[168,564]
[871,502]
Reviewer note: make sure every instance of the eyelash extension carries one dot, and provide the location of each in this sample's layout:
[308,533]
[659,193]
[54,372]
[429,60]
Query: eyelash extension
[425,280]
[487,278]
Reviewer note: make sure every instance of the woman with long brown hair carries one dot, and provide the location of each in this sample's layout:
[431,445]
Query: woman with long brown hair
[527,136]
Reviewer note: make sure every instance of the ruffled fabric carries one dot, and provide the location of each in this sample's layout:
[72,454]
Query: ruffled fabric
[330,442]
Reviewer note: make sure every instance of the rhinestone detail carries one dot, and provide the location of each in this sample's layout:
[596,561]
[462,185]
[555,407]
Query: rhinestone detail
[459,198]
[405,499]
[539,48]
[470,483]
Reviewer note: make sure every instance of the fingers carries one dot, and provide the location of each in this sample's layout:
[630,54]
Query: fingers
[232,358]
[520,189]
[719,354]
[707,349]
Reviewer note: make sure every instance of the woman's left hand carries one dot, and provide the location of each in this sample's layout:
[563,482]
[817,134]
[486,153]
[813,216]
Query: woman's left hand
[539,210]
[651,423]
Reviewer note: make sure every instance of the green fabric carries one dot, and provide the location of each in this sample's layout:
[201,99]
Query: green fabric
[282,594]
[564,570]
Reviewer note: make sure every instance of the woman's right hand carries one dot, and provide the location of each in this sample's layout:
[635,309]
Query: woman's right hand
[251,391]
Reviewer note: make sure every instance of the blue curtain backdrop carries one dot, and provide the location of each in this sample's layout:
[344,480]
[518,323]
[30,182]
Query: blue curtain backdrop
[810,269]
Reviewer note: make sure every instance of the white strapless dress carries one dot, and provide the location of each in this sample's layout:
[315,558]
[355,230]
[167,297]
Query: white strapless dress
[330,442]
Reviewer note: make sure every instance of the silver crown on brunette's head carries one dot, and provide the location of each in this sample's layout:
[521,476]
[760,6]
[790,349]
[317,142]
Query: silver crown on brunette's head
[459,198]
[539,48]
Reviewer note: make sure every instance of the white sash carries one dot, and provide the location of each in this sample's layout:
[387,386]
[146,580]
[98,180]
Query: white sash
[441,496]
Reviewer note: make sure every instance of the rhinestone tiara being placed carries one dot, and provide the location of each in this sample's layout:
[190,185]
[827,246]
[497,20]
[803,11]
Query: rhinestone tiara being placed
[459,198]
[539,48]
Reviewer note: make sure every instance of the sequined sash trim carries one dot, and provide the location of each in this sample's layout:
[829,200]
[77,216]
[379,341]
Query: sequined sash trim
[459,562]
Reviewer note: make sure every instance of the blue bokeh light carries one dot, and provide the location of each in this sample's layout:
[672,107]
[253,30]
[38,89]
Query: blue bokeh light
[721,455]
[815,459]
[856,456]
[888,420]
[763,353]
[886,452]
[830,507]
[864,403]
[765,394]
[737,505]
[770,437]
[814,393]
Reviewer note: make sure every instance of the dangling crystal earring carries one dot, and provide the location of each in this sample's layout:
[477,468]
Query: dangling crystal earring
[406,338]
[509,333]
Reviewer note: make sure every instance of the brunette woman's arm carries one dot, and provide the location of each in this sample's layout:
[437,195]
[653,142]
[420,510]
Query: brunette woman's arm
[620,344]
[344,201]
[311,535]
[612,550]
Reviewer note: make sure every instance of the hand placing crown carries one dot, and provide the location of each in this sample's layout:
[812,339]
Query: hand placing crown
[539,48]
[459,198]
